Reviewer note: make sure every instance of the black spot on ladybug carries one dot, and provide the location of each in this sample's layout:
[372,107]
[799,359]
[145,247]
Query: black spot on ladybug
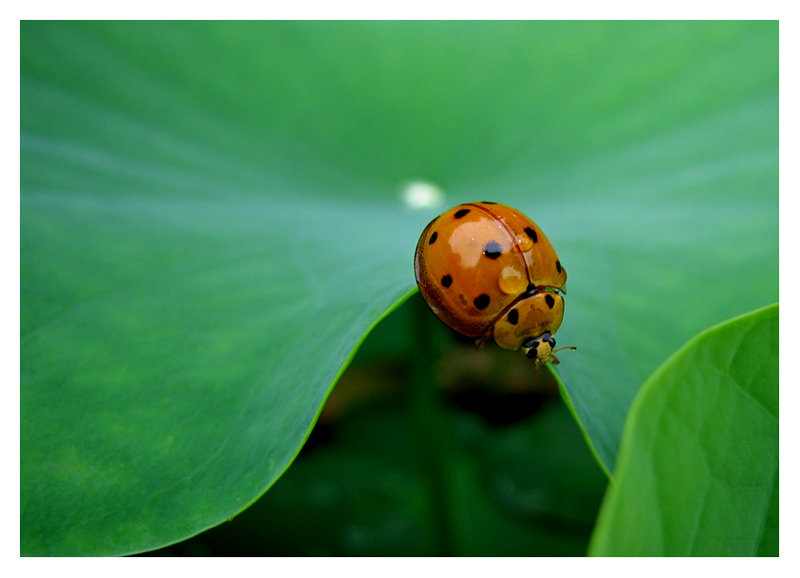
[461,213]
[492,249]
[447,280]
[532,234]
[432,240]
[482,301]
[550,301]
[532,289]
[513,316]
[488,203]
[558,266]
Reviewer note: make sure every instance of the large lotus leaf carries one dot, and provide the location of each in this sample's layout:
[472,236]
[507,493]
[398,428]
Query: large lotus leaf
[210,224]
[698,468]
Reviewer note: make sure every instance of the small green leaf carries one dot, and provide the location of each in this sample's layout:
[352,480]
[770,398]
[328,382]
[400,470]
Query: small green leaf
[697,473]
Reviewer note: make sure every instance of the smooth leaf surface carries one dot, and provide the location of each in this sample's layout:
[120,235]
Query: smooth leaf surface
[210,223]
[698,468]
[169,376]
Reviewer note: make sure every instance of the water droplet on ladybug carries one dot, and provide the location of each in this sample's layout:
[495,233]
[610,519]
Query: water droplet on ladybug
[524,243]
[512,281]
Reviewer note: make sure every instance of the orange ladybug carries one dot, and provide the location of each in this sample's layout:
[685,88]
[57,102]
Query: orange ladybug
[486,270]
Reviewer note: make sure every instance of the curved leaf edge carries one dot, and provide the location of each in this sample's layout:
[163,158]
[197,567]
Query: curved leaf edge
[568,401]
[342,369]
[650,384]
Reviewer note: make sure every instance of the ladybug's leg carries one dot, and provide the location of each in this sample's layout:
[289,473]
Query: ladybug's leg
[534,289]
[481,340]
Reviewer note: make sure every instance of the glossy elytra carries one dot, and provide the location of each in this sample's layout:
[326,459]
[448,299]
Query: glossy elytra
[488,271]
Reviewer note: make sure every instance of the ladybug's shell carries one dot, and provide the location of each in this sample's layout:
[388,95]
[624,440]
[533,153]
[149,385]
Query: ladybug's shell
[473,261]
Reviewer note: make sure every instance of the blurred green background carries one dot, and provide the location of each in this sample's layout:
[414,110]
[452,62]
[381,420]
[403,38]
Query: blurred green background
[212,220]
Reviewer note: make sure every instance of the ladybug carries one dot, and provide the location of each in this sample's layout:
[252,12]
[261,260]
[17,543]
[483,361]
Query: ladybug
[488,271]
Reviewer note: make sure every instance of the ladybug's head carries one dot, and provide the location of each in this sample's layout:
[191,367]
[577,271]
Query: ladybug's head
[542,349]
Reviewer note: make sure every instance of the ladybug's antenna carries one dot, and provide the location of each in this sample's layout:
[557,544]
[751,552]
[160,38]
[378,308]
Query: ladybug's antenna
[563,348]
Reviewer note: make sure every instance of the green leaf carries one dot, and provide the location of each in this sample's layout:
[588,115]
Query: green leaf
[148,395]
[210,224]
[697,473]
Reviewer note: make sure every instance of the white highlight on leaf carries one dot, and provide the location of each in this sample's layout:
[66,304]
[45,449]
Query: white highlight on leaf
[421,195]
